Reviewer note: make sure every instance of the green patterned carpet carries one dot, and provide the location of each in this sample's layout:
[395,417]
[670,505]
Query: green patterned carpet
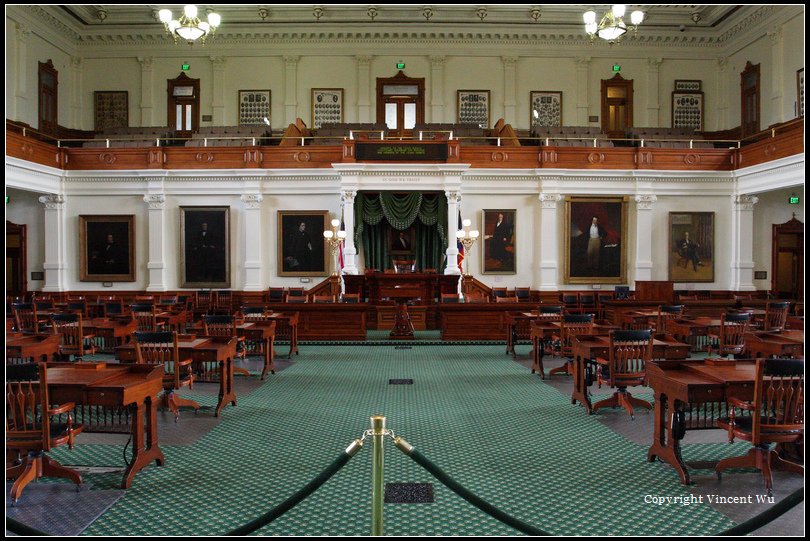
[501,432]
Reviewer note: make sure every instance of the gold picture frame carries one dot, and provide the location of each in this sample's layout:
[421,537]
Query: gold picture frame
[301,247]
[107,248]
[110,109]
[691,246]
[498,249]
[473,107]
[545,108]
[205,247]
[327,106]
[589,261]
[254,107]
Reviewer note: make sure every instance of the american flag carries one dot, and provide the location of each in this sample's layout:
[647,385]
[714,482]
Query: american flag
[340,247]
[459,245]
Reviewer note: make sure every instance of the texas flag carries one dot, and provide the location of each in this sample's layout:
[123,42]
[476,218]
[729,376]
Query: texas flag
[459,245]
[340,247]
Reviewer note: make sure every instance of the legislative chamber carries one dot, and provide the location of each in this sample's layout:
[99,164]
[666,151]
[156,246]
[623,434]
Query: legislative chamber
[236,233]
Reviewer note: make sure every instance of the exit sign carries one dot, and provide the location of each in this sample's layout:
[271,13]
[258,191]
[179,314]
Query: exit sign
[794,200]
[617,67]
[400,65]
[185,67]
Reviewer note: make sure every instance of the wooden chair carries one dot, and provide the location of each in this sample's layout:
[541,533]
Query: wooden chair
[145,315]
[601,300]
[506,299]
[587,304]
[223,302]
[475,298]
[351,298]
[296,292]
[168,300]
[323,299]
[523,294]
[571,326]
[776,314]
[160,348]
[667,313]
[33,428]
[25,317]
[44,305]
[74,341]
[449,298]
[404,266]
[546,314]
[626,366]
[258,314]
[498,292]
[78,306]
[730,340]
[203,303]
[113,308]
[275,294]
[775,415]
[225,325]
[295,299]
[570,302]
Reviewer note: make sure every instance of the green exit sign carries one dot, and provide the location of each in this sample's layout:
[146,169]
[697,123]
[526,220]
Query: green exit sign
[185,67]
[794,200]
[400,65]
[617,67]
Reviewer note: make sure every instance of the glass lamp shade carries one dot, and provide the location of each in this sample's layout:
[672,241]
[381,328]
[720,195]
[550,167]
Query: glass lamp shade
[165,15]
[328,234]
[589,17]
[474,234]
[190,33]
[611,33]
[459,234]
[335,222]
[190,11]
[637,17]
[618,10]
[214,19]
[466,223]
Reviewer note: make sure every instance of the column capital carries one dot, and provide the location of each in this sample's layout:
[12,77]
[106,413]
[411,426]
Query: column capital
[252,201]
[53,202]
[291,61]
[146,62]
[744,202]
[76,62]
[347,196]
[453,196]
[218,61]
[549,200]
[437,61]
[654,63]
[646,201]
[509,61]
[155,201]
[775,35]
[363,60]
[23,32]
[722,63]
[582,62]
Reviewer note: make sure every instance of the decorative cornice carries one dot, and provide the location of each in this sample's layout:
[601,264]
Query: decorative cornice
[645,202]
[55,23]
[252,201]
[748,22]
[156,201]
[744,202]
[53,202]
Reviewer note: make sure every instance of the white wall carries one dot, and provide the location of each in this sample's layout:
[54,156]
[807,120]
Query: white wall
[24,208]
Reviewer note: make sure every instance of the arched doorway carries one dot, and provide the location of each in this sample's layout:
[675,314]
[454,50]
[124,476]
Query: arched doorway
[617,106]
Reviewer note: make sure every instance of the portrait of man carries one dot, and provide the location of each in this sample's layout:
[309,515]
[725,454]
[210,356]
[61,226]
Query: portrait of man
[595,239]
[206,246]
[301,243]
[691,252]
[107,249]
[499,242]
[401,242]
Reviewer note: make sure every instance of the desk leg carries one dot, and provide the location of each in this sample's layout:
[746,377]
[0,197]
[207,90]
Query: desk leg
[667,438]
[226,393]
[269,355]
[580,393]
[537,356]
[144,442]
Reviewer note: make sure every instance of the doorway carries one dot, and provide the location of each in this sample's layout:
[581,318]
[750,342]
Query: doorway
[787,260]
[184,105]
[617,106]
[16,282]
[749,92]
[400,104]
[48,84]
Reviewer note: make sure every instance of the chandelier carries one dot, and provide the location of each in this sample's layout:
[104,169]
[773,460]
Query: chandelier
[612,26]
[188,26]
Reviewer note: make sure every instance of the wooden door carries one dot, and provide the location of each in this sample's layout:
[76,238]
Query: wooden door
[617,106]
[400,104]
[787,261]
[749,91]
[183,110]
[16,282]
[48,98]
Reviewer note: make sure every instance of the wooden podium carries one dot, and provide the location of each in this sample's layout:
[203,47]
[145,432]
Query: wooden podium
[402,294]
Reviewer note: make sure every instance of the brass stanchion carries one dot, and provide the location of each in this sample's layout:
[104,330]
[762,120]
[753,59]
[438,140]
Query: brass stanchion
[378,432]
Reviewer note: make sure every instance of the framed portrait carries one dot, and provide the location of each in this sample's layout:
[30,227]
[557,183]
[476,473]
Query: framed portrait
[595,240]
[110,109]
[205,245]
[301,247]
[401,242]
[327,106]
[254,107]
[545,108]
[473,107]
[800,92]
[683,85]
[498,248]
[687,110]
[691,246]
[107,248]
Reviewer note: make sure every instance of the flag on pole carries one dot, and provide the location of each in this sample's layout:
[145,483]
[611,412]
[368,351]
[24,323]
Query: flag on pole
[340,246]
[459,245]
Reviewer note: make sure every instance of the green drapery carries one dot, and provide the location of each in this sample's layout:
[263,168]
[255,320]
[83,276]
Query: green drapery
[375,214]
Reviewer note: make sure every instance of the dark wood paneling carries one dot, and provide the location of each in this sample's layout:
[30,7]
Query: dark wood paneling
[588,158]
[305,157]
[493,156]
[334,321]
[29,149]
[677,159]
[475,321]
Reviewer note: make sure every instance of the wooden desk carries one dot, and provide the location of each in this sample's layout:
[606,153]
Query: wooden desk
[518,326]
[203,352]
[135,387]
[23,348]
[112,331]
[779,344]
[261,331]
[692,395]
[689,330]
[175,320]
[586,348]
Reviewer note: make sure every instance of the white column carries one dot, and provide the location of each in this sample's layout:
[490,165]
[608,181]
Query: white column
[252,241]
[653,103]
[742,236]
[22,69]
[722,95]
[364,112]
[147,86]
[549,239]
[76,93]
[54,265]
[349,249]
[218,91]
[453,200]
[777,40]
[290,89]
[644,227]
[156,264]
[437,89]
[582,66]
[509,89]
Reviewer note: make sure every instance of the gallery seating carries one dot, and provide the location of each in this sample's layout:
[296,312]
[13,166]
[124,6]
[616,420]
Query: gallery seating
[228,136]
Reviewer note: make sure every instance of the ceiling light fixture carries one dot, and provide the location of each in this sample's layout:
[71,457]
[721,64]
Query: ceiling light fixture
[612,26]
[188,26]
